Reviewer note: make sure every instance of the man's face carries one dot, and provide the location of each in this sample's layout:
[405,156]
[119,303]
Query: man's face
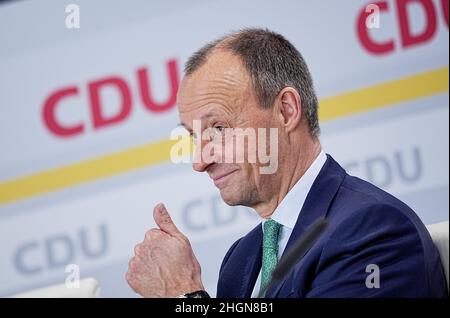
[220,94]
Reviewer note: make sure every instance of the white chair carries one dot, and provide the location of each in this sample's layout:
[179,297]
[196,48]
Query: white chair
[88,288]
[439,234]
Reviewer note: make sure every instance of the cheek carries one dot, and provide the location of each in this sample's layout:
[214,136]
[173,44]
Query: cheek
[243,149]
[249,174]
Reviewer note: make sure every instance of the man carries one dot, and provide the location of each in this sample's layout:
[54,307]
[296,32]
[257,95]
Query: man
[256,79]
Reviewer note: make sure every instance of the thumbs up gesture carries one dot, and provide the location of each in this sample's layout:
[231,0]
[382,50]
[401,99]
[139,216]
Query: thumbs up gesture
[164,264]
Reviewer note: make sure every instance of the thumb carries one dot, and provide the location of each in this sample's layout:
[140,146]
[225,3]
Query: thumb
[163,220]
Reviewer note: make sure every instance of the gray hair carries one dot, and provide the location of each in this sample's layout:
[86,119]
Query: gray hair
[273,64]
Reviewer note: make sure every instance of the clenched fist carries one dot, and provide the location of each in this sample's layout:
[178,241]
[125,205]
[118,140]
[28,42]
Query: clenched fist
[164,264]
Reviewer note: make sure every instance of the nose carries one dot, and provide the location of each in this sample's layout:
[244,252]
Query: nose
[200,166]
[198,163]
[205,155]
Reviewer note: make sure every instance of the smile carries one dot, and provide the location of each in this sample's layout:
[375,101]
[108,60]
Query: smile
[222,178]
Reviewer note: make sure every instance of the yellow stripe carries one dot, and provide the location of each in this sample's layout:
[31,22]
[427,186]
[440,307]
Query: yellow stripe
[85,171]
[383,95]
[371,98]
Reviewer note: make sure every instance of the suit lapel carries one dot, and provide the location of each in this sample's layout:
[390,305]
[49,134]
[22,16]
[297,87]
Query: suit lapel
[316,205]
[252,268]
[253,262]
[241,271]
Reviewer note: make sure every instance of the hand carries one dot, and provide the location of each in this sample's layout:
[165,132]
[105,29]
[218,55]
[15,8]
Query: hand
[164,264]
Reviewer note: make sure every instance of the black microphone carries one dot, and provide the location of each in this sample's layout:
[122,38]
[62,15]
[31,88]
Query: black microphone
[297,251]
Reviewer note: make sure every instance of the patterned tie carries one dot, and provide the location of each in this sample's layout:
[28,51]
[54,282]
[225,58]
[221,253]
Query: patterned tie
[270,253]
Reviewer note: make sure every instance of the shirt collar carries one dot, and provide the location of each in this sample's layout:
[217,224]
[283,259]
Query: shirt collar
[286,213]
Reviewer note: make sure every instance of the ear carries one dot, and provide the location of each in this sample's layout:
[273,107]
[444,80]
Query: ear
[289,108]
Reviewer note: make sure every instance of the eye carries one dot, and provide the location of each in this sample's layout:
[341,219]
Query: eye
[219,130]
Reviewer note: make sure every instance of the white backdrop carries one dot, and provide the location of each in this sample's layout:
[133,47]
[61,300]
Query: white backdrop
[87,198]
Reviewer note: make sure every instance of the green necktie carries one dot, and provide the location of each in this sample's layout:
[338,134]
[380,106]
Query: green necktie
[270,253]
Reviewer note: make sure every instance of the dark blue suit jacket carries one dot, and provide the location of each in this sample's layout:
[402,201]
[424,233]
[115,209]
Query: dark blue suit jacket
[366,226]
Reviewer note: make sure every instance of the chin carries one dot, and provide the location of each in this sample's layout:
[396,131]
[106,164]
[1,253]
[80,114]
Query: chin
[231,197]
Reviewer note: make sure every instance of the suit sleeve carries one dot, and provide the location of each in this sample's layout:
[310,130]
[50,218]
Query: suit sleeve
[376,252]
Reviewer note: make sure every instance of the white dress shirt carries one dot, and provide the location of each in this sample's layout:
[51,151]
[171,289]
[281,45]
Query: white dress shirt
[286,213]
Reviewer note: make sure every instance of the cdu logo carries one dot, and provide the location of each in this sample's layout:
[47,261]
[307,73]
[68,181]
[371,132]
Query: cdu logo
[56,251]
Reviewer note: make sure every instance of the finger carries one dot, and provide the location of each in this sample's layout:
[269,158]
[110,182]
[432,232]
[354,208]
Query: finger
[164,221]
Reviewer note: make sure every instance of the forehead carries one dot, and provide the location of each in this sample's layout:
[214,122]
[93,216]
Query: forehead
[221,84]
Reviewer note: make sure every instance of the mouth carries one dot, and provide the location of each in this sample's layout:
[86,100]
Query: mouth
[219,180]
